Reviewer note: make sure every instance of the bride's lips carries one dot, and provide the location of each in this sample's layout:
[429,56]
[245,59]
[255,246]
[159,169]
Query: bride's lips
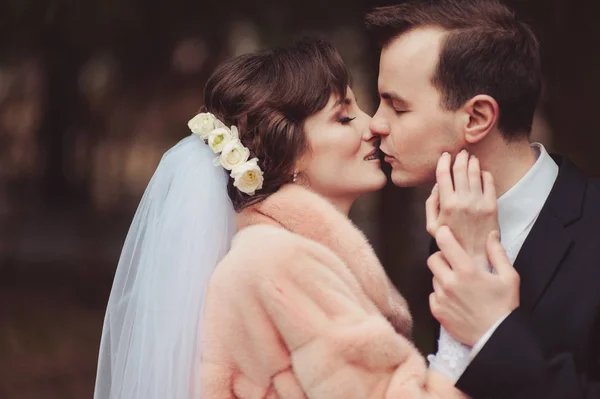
[371,156]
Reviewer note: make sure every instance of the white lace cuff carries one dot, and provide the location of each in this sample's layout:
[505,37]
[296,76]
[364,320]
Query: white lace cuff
[452,357]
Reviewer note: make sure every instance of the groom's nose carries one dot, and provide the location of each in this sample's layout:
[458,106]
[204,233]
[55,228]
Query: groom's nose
[379,127]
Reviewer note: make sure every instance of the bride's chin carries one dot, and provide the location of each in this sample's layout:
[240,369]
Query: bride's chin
[376,182]
[382,180]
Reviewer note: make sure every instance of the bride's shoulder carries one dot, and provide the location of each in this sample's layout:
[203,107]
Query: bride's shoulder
[260,253]
[265,241]
[259,248]
[261,234]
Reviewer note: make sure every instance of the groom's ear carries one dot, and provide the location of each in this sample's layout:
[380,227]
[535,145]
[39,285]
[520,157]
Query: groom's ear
[481,115]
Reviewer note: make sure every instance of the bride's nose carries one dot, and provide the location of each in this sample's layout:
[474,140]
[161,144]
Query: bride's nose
[365,122]
[367,134]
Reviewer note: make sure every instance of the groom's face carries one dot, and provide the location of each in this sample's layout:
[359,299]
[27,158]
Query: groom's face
[414,128]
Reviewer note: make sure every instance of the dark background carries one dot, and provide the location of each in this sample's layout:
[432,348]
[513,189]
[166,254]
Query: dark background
[93,92]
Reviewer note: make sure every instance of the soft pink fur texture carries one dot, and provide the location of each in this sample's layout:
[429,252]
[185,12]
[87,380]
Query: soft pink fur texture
[301,308]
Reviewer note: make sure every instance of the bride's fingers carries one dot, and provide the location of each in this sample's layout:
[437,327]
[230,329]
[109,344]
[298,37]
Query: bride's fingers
[489,188]
[461,180]
[475,175]
[432,210]
[434,306]
[438,289]
[444,178]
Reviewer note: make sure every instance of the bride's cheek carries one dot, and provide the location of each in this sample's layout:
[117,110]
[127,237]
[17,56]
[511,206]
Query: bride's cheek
[357,142]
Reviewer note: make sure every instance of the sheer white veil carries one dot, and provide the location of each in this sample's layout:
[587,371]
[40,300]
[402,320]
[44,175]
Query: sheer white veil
[150,346]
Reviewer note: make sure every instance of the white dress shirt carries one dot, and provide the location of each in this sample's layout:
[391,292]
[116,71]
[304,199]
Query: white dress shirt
[518,209]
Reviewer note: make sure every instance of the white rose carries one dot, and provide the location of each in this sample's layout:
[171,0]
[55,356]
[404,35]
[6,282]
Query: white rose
[234,154]
[247,177]
[234,132]
[219,138]
[204,123]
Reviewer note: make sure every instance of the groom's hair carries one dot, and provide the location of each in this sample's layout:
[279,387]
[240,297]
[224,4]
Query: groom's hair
[487,51]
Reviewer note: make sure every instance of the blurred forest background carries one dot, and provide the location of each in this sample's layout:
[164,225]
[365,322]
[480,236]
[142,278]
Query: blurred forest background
[93,92]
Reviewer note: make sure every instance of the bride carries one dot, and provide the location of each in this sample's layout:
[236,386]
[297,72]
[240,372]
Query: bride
[241,275]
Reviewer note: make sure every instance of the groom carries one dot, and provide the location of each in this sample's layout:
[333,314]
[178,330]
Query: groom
[465,74]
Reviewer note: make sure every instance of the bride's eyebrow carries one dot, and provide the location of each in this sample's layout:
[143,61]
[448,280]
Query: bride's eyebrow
[342,101]
[339,104]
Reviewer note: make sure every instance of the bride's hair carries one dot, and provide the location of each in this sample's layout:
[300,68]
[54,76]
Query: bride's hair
[268,95]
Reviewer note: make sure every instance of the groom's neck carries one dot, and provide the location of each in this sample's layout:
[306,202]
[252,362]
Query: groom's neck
[508,162]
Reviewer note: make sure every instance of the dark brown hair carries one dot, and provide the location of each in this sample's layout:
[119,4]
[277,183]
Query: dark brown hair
[487,51]
[268,95]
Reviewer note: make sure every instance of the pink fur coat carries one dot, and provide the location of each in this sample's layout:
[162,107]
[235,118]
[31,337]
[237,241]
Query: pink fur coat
[301,308]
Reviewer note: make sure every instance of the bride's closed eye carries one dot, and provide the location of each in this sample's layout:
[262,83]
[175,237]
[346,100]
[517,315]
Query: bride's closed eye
[346,119]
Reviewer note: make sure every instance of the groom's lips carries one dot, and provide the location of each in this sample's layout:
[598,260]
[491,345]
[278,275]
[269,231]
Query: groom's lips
[387,158]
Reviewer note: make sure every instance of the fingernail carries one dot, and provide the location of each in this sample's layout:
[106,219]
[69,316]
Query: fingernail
[496,235]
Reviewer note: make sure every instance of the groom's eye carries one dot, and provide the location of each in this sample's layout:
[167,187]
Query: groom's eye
[399,111]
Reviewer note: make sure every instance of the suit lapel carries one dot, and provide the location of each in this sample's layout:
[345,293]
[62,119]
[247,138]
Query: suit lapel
[549,240]
[541,254]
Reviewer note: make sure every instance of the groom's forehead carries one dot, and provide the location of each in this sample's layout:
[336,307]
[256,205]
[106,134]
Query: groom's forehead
[417,48]
[411,57]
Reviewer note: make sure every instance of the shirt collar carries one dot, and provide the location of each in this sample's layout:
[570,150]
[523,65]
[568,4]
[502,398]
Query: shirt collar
[521,204]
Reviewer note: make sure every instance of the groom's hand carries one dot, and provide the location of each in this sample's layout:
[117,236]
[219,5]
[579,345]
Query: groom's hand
[468,300]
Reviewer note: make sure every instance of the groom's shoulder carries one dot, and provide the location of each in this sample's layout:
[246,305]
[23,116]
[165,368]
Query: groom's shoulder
[576,192]
[571,176]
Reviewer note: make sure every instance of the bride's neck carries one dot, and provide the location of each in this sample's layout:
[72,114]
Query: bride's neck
[342,204]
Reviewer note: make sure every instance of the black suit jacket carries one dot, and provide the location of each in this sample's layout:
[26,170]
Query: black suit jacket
[550,346]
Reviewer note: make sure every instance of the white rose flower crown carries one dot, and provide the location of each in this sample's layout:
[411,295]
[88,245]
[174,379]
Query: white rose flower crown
[231,153]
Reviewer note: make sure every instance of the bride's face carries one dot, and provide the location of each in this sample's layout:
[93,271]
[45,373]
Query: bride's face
[342,160]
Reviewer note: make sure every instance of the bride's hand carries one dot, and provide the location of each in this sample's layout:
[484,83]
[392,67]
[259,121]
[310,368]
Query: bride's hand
[464,199]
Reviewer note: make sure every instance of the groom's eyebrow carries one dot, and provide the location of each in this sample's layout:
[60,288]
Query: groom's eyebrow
[394,97]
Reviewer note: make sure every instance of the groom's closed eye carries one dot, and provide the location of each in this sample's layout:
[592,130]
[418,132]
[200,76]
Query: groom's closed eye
[399,104]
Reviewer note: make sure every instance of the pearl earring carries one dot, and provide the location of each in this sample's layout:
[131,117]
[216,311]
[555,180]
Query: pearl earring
[295,177]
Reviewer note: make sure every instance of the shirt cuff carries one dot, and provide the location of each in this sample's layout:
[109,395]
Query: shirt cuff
[485,338]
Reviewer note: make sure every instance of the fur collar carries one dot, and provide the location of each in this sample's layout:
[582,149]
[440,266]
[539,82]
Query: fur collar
[308,214]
